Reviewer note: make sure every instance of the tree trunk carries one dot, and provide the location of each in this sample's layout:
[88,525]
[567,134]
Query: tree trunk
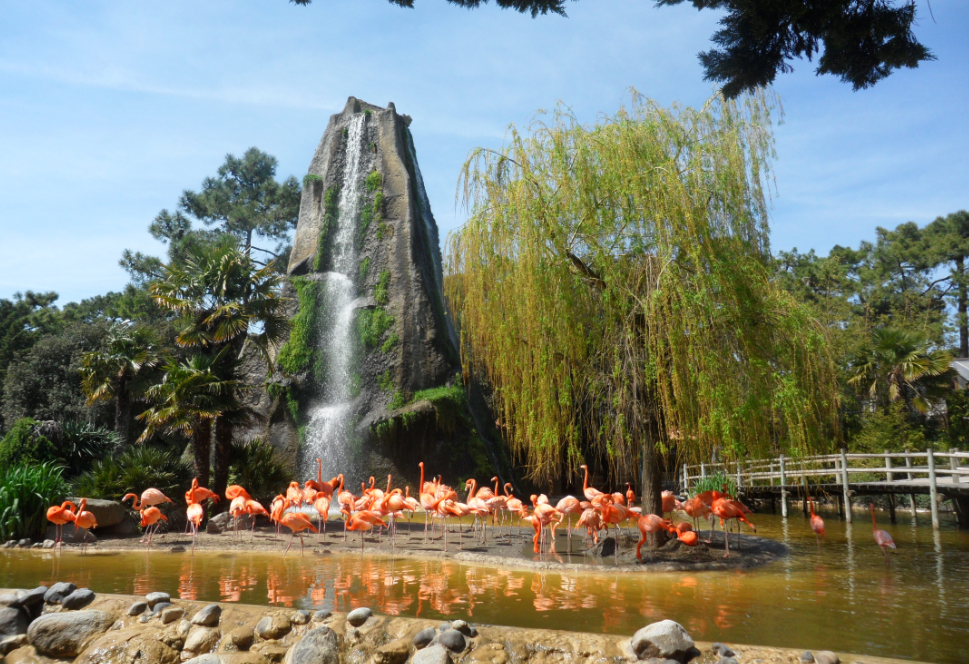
[122,410]
[652,486]
[223,446]
[201,440]
[962,318]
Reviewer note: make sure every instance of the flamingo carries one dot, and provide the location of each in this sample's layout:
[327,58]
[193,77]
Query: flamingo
[588,491]
[60,515]
[322,507]
[685,533]
[650,523]
[83,520]
[197,494]
[253,508]
[297,522]
[236,509]
[569,506]
[412,504]
[150,497]
[670,503]
[360,521]
[150,516]
[726,509]
[294,494]
[233,491]
[630,494]
[194,514]
[592,521]
[346,500]
[882,539]
[817,524]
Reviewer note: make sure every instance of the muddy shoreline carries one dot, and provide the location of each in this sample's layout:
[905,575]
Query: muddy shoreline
[508,548]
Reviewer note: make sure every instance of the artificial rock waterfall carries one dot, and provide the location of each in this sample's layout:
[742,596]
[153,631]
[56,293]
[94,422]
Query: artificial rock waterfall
[369,380]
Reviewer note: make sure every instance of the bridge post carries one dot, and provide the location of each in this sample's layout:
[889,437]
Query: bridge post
[783,489]
[915,512]
[954,466]
[739,477]
[703,471]
[891,507]
[888,466]
[804,501]
[844,484]
[686,479]
[933,491]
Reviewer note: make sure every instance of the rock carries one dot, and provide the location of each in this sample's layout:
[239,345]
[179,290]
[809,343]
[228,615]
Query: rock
[107,512]
[826,657]
[722,650]
[221,519]
[208,615]
[727,660]
[606,547]
[78,599]
[183,629]
[318,646]
[212,528]
[37,545]
[8,599]
[395,652]
[9,544]
[301,617]
[171,614]
[663,640]
[127,528]
[424,637]
[159,607]
[177,549]
[154,598]
[435,654]
[359,616]
[453,640]
[202,640]
[13,621]
[131,646]
[321,615]
[32,597]
[137,608]
[462,627]
[240,638]
[49,544]
[145,618]
[58,592]
[444,626]
[24,543]
[11,643]
[273,627]
[806,656]
[65,634]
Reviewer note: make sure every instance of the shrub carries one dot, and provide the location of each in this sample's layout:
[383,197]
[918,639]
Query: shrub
[24,445]
[371,324]
[253,465]
[82,444]
[133,471]
[310,178]
[714,482]
[26,491]
[296,355]
[380,290]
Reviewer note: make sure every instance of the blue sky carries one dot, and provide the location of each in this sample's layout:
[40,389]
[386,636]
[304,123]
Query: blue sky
[108,110]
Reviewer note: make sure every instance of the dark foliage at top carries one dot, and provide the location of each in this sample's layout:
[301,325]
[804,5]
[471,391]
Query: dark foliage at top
[534,7]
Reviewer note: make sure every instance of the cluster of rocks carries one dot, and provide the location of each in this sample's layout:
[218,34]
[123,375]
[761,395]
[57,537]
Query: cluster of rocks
[71,624]
[26,543]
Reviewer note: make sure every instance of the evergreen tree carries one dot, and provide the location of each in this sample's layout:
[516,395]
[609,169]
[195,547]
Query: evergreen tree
[948,239]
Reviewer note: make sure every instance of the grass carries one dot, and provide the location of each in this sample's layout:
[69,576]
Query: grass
[386,381]
[714,482]
[296,355]
[26,491]
[310,178]
[389,344]
[371,325]
[380,290]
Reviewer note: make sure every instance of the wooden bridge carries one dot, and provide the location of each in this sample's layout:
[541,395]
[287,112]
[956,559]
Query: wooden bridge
[941,475]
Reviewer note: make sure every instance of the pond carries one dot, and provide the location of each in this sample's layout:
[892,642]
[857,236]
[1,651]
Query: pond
[843,598]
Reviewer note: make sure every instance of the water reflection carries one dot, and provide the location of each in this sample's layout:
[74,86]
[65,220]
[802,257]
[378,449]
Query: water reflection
[844,597]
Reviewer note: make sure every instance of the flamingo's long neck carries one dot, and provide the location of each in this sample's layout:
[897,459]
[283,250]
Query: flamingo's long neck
[474,485]
[811,505]
[507,492]
[319,471]
[497,492]
[388,484]
[585,482]
[420,489]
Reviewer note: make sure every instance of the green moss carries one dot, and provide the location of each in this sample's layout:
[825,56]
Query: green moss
[364,268]
[327,224]
[371,326]
[296,355]
[373,181]
[346,132]
[386,381]
[288,395]
[366,113]
[310,178]
[380,290]
[397,401]
[382,231]
[389,344]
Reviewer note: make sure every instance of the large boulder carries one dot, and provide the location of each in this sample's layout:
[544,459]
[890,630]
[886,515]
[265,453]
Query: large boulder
[13,621]
[273,627]
[65,634]
[318,646]
[435,654]
[133,646]
[107,512]
[664,640]
[57,592]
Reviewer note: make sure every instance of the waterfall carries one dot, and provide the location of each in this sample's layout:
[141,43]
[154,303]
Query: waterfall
[328,434]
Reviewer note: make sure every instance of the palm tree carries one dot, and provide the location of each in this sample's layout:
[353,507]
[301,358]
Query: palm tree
[225,301]
[894,361]
[189,398]
[118,370]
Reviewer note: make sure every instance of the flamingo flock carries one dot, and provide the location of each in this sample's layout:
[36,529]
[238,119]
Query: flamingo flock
[381,508]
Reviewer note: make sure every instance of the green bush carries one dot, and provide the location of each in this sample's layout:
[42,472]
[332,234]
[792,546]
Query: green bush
[82,444]
[380,290]
[26,491]
[253,465]
[23,445]
[372,324]
[296,355]
[310,178]
[714,482]
[133,471]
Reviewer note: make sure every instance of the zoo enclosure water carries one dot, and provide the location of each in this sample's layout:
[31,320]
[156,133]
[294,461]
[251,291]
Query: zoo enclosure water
[844,598]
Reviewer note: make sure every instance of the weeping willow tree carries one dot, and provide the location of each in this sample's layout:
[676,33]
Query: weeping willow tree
[614,285]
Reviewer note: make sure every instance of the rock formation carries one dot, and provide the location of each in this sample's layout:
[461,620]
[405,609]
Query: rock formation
[369,380]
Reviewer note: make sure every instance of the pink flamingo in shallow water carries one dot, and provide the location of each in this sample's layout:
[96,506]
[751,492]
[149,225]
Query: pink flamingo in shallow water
[817,524]
[882,539]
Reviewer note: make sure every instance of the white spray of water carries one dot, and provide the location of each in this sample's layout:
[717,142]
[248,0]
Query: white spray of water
[330,426]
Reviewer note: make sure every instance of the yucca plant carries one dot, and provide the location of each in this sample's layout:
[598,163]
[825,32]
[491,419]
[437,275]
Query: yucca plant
[254,466]
[135,470]
[26,491]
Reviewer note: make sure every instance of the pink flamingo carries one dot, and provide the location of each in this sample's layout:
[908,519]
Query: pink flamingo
[882,539]
[817,524]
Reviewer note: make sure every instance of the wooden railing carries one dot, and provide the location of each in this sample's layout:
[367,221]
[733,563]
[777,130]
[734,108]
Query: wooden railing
[936,468]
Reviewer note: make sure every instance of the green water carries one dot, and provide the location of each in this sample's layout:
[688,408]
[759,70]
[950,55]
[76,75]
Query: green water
[844,598]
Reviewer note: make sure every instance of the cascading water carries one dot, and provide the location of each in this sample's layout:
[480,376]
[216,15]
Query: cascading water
[328,434]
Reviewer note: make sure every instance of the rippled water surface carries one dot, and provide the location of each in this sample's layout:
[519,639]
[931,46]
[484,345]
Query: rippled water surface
[844,598]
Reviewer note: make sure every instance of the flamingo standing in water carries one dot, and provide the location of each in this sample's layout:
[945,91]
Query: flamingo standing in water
[569,506]
[817,524]
[297,522]
[194,514]
[60,515]
[84,520]
[882,539]
[588,491]
[151,516]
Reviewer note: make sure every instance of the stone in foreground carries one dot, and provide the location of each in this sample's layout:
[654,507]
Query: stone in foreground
[65,634]
[359,616]
[208,615]
[665,639]
[318,646]
[436,654]
[78,599]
